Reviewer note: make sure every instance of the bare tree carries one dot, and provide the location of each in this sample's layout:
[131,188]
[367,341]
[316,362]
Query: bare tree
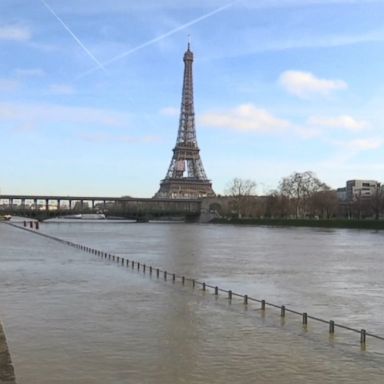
[243,192]
[299,187]
[377,201]
[366,206]
[324,204]
[277,205]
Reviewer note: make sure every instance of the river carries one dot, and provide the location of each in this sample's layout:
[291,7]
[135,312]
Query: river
[71,317]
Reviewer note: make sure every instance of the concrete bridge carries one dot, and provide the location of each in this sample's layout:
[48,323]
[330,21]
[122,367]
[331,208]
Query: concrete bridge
[45,206]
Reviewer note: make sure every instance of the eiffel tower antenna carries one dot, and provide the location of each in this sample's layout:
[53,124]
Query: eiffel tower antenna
[186,178]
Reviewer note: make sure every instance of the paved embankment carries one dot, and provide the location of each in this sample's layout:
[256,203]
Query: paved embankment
[7,374]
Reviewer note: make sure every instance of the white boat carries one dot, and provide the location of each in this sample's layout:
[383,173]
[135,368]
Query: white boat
[93,216]
[86,216]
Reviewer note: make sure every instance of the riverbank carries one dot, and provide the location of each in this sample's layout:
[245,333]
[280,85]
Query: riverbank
[330,223]
[7,374]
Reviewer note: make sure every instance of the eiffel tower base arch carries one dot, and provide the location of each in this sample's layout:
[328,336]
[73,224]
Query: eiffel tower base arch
[176,188]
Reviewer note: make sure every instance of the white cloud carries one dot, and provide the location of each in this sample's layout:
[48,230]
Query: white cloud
[307,132]
[119,6]
[245,118]
[169,111]
[344,122]
[38,114]
[348,150]
[61,89]
[305,84]
[303,3]
[14,33]
[102,137]
[25,128]
[7,85]
[359,145]
[29,72]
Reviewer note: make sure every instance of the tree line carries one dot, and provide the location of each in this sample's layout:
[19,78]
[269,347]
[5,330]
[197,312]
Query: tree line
[299,195]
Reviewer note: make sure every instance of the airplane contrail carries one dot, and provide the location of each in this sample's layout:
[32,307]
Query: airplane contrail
[158,38]
[99,64]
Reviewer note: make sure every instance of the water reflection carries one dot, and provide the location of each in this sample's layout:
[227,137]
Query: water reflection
[322,271]
[74,318]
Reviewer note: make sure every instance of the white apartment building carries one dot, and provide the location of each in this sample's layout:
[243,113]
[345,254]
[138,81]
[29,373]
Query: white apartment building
[361,189]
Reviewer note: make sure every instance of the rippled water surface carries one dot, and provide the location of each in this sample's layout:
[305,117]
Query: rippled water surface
[71,317]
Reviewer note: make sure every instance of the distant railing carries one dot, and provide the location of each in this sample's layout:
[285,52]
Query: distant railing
[204,286]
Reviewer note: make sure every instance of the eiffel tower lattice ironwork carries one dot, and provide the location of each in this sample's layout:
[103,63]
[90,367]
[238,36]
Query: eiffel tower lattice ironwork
[186,178]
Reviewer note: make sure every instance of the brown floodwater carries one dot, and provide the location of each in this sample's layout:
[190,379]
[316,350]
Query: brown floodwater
[71,317]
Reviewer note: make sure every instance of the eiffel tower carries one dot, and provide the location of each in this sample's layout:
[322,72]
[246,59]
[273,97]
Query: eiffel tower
[186,178]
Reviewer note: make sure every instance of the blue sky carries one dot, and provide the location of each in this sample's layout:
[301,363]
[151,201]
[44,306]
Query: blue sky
[90,91]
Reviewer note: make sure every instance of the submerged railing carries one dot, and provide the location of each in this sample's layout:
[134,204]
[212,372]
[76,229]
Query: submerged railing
[204,286]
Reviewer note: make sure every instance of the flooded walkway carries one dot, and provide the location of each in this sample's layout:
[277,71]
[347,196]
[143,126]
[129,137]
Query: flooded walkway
[7,374]
[73,318]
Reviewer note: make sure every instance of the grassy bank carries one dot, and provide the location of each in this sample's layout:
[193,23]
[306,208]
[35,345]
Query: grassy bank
[331,223]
